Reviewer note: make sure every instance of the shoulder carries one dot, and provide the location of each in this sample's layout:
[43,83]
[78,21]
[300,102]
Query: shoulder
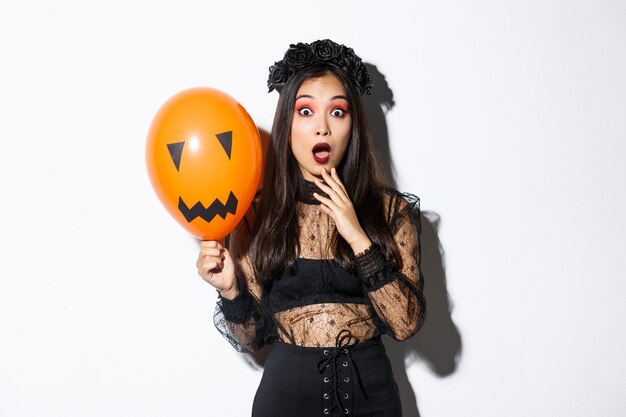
[397,201]
[400,206]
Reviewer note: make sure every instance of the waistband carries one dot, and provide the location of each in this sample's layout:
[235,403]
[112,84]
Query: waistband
[362,350]
[358,347]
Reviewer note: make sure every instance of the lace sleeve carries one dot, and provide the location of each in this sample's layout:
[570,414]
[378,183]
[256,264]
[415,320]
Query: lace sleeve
[396,295]
[241,320]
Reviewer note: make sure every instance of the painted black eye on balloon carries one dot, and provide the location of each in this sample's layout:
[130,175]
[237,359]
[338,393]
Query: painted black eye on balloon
[226,140]
[176,151]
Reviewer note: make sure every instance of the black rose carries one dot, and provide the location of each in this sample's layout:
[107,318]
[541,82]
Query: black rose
[298,56]
[278,75]
[346,60]
[326,50]
[362,79]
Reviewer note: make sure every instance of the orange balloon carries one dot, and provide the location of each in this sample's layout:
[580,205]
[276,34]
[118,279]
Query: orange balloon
[204,159]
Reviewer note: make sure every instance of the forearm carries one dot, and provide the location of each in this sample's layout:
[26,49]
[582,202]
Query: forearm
[236,318]
[230,293]
[397,300]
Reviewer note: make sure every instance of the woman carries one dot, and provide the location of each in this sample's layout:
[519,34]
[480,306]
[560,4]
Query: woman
[327,258]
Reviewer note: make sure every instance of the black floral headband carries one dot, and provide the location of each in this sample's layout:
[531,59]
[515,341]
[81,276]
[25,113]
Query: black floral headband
[303,55]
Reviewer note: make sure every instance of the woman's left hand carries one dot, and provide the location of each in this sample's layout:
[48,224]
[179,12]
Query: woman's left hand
[339,207]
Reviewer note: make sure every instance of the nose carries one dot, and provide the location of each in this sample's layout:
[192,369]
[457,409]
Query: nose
[322,128]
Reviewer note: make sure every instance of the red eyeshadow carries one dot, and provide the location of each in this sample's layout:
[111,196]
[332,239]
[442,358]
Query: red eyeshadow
[301,103]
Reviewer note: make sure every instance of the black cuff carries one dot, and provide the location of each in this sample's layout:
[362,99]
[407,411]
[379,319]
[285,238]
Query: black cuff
[239,309]
[373,269]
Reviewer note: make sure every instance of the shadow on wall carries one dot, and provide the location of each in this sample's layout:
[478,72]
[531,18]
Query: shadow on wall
[438,343]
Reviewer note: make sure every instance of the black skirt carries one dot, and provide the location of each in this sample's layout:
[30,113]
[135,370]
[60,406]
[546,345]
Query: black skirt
[343,381]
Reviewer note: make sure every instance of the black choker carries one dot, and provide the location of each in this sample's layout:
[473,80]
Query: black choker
[306,194]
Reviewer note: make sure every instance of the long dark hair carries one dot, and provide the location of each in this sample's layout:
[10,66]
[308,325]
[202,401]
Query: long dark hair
[274,246]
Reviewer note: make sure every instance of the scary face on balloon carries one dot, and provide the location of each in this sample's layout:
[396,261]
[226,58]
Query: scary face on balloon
[204,161]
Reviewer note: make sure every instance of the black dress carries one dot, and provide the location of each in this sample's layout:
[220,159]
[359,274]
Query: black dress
[323,322]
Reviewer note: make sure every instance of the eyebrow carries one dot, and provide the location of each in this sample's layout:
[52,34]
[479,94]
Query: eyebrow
[332,98]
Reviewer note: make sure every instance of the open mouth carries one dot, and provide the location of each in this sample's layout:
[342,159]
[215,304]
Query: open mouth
[321,153]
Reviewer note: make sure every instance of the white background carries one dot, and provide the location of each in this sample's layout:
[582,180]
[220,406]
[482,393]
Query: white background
[509,123]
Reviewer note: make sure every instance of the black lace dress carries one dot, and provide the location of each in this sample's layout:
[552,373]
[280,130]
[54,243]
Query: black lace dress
[322,320]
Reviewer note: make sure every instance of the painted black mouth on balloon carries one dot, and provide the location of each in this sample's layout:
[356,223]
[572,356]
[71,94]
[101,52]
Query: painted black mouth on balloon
[217,208]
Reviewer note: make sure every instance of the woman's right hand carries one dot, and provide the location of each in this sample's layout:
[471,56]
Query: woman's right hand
[216,267]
